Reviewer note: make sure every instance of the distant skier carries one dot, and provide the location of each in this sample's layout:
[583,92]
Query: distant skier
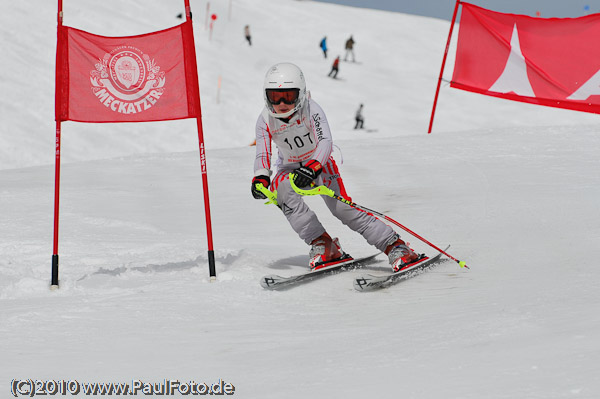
[301,133]
[335,68]
[349,49]
[323,46]
[359,118]
[247,34]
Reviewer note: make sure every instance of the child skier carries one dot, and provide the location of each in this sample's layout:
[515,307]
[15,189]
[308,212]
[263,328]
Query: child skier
[359,118]
[335,68]
[301,133]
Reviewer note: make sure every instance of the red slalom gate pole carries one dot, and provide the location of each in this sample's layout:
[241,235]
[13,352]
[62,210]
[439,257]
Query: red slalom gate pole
[211,252]
[54,277]
[437,90]
[58,101]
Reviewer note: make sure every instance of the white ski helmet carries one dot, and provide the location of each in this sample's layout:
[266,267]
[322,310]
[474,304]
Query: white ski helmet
[284,77]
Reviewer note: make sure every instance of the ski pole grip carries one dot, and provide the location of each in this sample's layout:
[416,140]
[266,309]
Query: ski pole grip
[271,195]
[315,190]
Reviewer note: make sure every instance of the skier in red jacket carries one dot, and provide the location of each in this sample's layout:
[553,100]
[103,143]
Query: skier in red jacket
[335,67]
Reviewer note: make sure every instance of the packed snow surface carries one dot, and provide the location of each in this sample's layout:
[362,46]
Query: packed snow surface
[514,188]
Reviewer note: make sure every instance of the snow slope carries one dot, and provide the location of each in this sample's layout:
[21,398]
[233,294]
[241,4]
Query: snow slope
[514,188]
[399,57]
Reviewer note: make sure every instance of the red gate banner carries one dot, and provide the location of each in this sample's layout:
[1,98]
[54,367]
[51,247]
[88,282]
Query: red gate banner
[553,62]
[149,77]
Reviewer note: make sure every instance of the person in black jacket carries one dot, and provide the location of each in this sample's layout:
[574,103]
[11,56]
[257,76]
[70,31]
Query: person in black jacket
[349,49]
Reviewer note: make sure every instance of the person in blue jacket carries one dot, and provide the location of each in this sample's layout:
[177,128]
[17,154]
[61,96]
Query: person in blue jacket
[323,46]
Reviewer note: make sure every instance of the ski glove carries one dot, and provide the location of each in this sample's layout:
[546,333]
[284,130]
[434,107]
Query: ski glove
[265,180]
[305,175]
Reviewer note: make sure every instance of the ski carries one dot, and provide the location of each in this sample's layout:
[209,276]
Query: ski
[370,282]
[274,282]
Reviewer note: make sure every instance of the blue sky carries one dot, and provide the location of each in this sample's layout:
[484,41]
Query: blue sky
[443,8]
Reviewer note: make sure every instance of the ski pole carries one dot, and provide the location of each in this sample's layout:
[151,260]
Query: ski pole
[322,190]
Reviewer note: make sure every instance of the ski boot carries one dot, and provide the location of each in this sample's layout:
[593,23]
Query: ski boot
[400,255]
[326,251]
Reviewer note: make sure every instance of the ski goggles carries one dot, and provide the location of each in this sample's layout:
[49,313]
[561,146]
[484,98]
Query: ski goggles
[288,96]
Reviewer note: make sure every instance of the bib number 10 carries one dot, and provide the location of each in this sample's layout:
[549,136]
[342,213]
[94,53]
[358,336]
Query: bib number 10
[298,141]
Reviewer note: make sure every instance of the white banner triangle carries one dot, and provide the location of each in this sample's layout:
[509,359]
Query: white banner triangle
[514,77]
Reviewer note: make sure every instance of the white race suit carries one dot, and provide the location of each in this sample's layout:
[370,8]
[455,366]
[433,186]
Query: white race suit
[306,135]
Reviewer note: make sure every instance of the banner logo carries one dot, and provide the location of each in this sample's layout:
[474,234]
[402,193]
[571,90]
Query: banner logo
[127,81]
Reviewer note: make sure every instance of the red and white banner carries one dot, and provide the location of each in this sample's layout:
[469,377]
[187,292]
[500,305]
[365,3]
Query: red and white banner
[149,77]
[553,62]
